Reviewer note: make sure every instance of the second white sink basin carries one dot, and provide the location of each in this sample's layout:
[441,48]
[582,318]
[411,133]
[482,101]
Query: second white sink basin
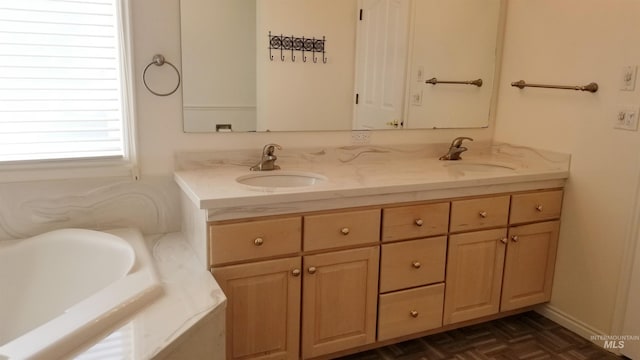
[279,178]
[477,167]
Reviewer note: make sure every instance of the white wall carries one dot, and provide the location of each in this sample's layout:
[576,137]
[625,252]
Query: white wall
[574,42]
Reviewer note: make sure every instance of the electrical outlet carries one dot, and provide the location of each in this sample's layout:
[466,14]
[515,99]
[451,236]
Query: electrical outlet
[416,98]
[360,137]
[627,118]
[628,78]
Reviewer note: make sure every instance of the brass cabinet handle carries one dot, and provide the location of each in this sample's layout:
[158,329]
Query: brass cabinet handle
[414,313]
[258,241]
[295,272]
[312,270]
[539,208]
[515,238]
[483,214]
[416,264]
[504,240]
[345,231]
[419,222]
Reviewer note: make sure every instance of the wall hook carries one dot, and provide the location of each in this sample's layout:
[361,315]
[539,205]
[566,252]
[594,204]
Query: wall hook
[293,44]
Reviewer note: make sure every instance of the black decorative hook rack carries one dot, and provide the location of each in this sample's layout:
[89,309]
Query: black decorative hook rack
[290,44]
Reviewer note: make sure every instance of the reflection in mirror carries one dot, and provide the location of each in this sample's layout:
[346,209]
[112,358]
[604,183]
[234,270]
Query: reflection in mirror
[382,62]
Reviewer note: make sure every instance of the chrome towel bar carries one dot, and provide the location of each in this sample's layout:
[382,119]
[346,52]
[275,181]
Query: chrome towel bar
[435,81]
[591,87]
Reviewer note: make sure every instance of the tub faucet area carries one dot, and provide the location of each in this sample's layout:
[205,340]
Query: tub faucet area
[456,149]
[268,160]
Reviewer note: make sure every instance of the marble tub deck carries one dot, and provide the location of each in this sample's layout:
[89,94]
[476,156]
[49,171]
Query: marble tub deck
[186,322]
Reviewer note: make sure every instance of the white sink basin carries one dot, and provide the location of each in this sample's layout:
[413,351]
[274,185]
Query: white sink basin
[474,167]
[279,178]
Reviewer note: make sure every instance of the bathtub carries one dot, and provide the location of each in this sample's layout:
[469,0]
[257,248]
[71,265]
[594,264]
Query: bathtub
[63,290]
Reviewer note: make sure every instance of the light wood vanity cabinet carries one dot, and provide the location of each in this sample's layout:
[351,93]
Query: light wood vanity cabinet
[412,271]
[503,269]
[339,301]
[263,311]
[529,264]
[474,275]
[312,285]
[324,298]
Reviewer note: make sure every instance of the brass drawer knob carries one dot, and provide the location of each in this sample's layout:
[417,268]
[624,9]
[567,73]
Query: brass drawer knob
[419,222]
[345,231]
[414,313]
[504,240]
[539,208]
[416,264]
[515,238]
[295,272]
[483,214]
[312,270]
[258,241]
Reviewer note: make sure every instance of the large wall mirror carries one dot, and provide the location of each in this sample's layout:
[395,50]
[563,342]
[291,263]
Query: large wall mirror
[305,65]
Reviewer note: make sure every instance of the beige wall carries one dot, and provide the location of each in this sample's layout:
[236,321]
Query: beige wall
[575,42]
[299,95]
[156,26]
[470,28]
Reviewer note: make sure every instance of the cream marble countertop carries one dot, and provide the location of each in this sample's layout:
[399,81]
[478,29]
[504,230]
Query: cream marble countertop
[209,180]
[190,295]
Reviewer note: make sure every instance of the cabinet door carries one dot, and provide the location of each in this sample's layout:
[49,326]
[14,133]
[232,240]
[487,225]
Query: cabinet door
[529,265]
[263,309]
[339,301]
[474,275]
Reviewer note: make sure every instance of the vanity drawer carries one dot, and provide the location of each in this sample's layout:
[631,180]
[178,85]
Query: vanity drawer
[341,229]
[410,311]
[536,206]
[412,263]
[479,213]
[254,240]
[411,222]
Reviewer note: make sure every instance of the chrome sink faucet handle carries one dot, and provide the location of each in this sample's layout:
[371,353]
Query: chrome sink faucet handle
[267,162]
[456,149]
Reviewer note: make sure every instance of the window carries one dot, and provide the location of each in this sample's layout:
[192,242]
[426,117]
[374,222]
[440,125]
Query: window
[64,81]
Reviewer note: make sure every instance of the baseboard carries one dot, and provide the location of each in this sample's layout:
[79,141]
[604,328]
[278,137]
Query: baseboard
[565,320]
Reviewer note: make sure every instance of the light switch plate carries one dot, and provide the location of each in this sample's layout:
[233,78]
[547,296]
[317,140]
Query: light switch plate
[628,78]
[420,74]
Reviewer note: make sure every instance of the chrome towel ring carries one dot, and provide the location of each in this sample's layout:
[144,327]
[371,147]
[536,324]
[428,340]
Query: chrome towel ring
[159,60]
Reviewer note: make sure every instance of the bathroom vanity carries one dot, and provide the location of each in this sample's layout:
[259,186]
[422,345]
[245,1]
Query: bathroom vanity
[380,250]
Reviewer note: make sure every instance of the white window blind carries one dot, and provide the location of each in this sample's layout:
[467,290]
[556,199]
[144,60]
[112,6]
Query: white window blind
[61,80]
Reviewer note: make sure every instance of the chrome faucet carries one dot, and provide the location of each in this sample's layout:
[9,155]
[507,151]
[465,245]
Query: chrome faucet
[456,149]
[267,162]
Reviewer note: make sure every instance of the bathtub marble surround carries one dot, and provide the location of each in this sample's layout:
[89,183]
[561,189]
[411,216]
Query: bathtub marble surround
[359,176]
[31,208]
[172,326]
